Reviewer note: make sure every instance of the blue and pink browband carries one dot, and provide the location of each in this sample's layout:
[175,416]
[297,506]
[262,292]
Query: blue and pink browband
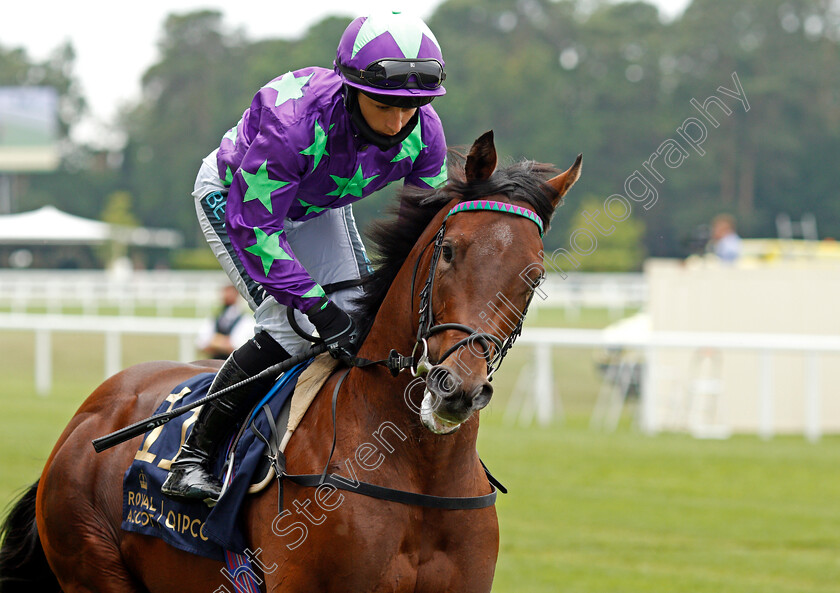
[498,207]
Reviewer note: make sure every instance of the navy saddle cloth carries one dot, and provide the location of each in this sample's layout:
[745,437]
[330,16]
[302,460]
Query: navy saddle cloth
[194,527]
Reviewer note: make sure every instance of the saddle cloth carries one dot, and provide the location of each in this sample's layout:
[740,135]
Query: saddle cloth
[194,527]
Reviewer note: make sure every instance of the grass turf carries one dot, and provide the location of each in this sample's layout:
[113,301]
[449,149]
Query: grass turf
[588,512]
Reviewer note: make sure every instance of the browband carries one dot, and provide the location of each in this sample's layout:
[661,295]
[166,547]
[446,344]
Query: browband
[498,207]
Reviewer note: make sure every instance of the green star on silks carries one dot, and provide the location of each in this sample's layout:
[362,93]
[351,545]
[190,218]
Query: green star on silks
[439,179]
[318,148]
[310,208]
[317,291]
[260,186]
[411,146]
[353,185]
[267,248]
[228,180]
[288,87]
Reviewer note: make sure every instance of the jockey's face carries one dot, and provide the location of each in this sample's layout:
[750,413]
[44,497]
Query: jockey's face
[384,119]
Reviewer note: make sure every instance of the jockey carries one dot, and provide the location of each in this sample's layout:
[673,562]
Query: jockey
[274,202]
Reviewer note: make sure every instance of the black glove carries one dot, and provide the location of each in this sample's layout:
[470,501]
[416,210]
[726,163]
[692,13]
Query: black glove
[335,327]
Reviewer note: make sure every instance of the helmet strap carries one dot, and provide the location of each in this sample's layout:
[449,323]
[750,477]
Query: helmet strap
[381,141]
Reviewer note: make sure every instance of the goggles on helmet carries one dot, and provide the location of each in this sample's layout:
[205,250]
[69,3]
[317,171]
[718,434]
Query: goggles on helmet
[395,73]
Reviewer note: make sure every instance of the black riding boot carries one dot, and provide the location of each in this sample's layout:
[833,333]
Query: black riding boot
[189,476]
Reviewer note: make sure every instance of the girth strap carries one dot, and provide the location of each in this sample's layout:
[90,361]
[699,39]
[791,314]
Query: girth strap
[338,385]
[274,454]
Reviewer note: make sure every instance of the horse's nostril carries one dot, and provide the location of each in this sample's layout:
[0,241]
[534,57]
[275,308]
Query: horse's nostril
[444,382]
[481,396]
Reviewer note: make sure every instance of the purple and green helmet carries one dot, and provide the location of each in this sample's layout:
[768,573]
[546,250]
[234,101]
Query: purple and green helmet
[391,54]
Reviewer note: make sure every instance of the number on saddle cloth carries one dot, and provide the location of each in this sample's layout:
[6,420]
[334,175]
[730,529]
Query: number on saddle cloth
[192,526]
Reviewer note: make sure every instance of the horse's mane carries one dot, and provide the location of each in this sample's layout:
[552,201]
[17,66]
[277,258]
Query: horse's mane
[393,239]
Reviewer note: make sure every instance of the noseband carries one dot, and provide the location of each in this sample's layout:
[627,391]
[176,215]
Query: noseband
[426,327]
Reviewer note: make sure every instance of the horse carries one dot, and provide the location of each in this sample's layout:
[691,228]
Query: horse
[480,261]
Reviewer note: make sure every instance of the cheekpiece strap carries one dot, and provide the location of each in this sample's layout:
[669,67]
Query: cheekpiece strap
[498,207]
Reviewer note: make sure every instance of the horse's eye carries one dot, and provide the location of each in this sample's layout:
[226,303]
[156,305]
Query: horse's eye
[447,253]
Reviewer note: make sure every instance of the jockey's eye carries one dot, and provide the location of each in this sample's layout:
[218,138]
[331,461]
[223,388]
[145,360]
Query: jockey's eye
[447,253]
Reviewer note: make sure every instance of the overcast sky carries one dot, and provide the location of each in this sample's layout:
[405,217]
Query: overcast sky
[116,41]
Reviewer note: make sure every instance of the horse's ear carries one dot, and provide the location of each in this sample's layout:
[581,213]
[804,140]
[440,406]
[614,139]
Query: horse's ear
[481,162]
[564,182]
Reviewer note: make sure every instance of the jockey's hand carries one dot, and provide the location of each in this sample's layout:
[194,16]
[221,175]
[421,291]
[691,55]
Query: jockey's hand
[335,327]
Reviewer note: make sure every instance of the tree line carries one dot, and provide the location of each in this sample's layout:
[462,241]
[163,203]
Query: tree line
[732,107]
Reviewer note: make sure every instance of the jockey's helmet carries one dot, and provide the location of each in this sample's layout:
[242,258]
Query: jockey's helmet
[391,55]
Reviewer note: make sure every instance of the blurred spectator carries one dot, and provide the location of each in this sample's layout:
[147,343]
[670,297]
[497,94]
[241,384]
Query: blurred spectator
[725,242]
[231,328]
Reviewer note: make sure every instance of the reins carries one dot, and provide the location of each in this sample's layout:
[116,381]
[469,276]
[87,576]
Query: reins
[420,365]
[396,363]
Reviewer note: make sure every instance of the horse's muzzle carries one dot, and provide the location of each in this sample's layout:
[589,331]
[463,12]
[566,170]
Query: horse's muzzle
[449,400]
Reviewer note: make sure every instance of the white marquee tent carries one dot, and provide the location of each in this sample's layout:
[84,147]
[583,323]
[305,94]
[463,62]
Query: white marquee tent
[50,226]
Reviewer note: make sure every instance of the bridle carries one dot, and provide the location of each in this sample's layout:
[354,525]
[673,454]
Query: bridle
[493,355]
[419,366]
[493,349]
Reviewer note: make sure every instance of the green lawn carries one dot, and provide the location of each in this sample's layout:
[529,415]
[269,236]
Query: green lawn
[587,512]
[592,513]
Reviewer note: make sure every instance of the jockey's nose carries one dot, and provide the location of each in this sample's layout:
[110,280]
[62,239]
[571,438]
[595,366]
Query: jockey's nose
[396,119]
[394,123]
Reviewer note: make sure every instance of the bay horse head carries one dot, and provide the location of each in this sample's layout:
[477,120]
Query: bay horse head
[473,272]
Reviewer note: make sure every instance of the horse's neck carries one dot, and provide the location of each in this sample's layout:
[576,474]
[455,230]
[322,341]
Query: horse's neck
[396,322]
[395,327]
